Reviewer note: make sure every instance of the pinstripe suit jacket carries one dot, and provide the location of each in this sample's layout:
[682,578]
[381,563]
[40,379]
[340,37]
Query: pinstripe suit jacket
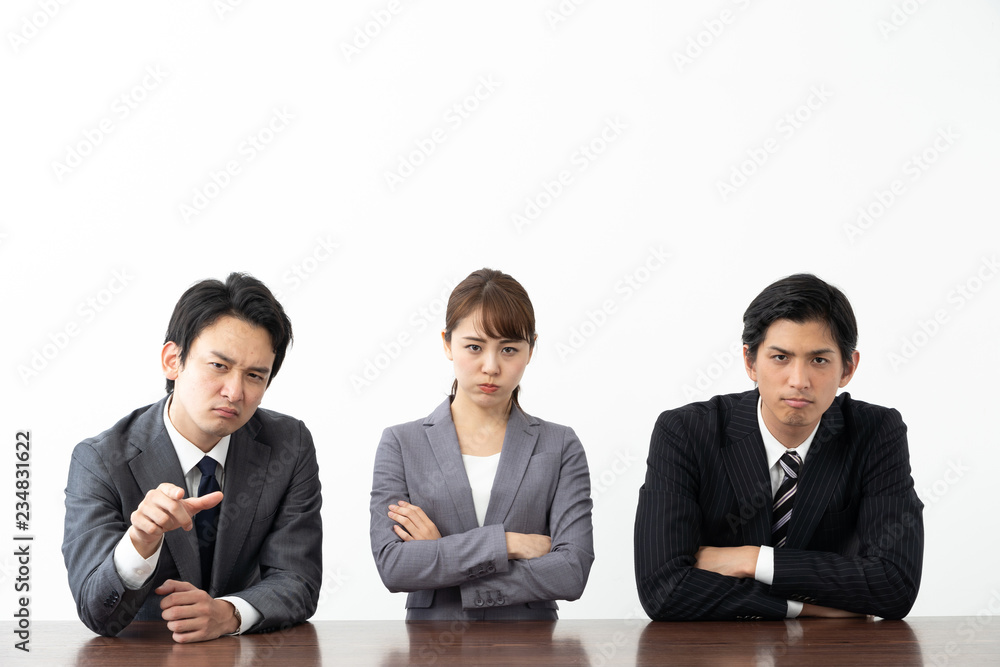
[269,545]
[855,541]
[542,486]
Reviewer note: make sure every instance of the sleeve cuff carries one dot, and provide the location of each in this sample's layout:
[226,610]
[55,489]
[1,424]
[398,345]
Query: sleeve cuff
[765,567]
[794,609]
[133,569]
[248,613]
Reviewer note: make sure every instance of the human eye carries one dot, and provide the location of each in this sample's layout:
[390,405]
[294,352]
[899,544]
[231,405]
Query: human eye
[822,361]
[256,377]
[779,357]
[217,366]
[473,347]
[510,350]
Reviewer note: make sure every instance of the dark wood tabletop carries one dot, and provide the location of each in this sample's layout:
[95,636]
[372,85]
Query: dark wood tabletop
[939,641]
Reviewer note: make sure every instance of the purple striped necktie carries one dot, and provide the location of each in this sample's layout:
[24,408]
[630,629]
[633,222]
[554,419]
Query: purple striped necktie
[784,498]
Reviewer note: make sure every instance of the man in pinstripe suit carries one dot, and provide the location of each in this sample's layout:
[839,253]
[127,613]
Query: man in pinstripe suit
[853,542]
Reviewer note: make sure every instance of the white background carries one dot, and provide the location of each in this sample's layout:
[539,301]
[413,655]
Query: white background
[885,80]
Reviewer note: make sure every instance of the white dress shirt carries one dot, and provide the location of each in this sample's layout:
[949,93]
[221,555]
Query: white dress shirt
[774,451]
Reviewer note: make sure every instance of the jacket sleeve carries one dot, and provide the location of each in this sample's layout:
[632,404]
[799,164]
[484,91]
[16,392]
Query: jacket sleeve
[95,523]
[423,564]
[884,576]
[291,556]
[668,534]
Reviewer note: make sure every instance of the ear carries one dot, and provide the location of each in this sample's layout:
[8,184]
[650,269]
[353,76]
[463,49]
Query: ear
[531,349]
[850,368]
[170,357]
[447,346]
[748,365]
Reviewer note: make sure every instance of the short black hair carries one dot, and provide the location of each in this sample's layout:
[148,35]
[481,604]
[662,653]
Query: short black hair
[242,296]
[801,298]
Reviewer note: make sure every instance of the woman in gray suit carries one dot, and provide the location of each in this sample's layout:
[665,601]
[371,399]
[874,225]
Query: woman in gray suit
[481,511]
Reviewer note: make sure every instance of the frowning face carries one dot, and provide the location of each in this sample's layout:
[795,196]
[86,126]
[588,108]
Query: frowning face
[798,370]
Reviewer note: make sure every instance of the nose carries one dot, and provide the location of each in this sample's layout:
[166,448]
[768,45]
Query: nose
[798,375]
[232,390]
[490,364]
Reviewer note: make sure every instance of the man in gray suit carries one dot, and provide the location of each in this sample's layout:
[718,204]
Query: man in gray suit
[242,484]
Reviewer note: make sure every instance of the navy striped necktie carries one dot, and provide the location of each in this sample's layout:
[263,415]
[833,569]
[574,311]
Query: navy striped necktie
[206,521]
[784,498]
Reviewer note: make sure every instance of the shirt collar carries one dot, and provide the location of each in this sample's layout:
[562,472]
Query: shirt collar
[187,452]
[775,449]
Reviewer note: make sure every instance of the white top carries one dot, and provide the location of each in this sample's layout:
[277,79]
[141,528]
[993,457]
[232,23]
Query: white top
[481,471]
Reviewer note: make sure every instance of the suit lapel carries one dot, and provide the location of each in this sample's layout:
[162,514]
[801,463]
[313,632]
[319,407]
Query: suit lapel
[820,475]
[440,430]
[518,446]
[245,477]
[157,463]
[746,465]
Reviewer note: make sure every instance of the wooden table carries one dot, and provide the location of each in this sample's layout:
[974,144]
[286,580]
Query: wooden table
[812,642]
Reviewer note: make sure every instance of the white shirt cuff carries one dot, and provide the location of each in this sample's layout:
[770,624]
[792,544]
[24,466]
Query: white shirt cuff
[248,612]
[764,572]
[132,568]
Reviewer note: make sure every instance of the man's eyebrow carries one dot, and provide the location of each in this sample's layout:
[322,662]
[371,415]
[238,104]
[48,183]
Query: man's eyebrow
[263,370]
[813,353]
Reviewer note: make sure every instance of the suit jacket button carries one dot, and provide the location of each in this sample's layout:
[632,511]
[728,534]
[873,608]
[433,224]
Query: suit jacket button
[490,568]
[479,602]
[500,599]
[482,571]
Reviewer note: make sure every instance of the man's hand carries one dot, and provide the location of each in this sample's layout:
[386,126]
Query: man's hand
[731,561]
[827,612]
[162,510]
[527,545]
[414,524]
[193,615]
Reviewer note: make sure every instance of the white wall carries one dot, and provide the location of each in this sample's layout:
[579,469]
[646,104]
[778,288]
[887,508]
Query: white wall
[881,98]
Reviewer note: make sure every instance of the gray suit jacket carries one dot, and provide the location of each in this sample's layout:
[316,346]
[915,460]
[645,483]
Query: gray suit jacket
[269,545]
[542,486]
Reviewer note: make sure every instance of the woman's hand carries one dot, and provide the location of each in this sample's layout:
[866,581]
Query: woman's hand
[413,523]
[525,546]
